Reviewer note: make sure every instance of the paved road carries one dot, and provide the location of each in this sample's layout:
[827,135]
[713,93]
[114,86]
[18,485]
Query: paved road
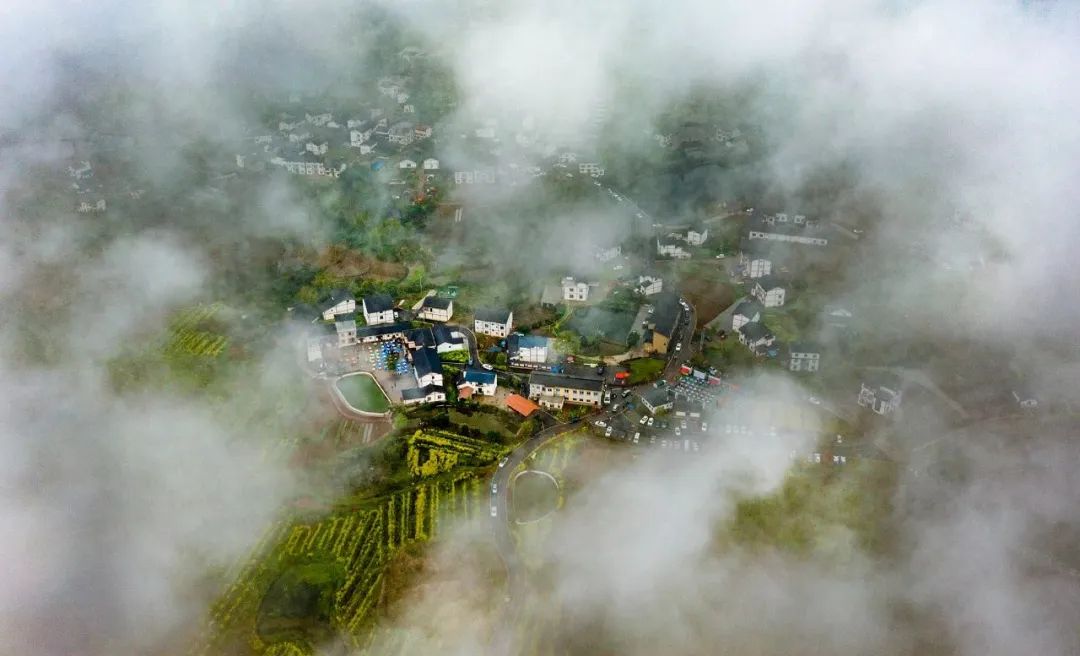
[684,334]
[500,523]
[470,339]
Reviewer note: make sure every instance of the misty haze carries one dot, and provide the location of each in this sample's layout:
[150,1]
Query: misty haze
[529,328]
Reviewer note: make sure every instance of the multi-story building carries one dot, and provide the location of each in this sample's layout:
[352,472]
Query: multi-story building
[378,308]
[553,390]
[492,322]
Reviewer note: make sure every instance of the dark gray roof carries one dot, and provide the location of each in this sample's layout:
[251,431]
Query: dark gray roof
[382,329]
[559,380]
[492,315]
[444,335]
[418,392]
[426,361]
[655,396]
[421,336]
[346,318]
[748,308]
[336,296]
[755,330]
[378,303]
[666,310]
[437,302]
[769,282]
[804,347]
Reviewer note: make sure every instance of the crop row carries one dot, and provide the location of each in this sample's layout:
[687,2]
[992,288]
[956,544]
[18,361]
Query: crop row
[193,316]
[196,342]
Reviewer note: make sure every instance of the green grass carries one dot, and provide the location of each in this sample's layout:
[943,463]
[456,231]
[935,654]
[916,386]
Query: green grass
[534,496]
[454,356]
[644,370]
[481,421]
[363,393]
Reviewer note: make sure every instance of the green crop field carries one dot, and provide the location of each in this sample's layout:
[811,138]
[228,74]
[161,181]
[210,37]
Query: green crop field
[643,370]
[312,578]
[363,393]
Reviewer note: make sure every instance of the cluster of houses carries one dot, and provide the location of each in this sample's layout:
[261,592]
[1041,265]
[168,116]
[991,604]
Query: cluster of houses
[91,192]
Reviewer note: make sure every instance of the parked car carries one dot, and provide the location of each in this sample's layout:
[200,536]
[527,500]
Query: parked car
[677,431]
[650,421]
[494,511]
[813,399]
[502,463]
[494,488]
[487,366]
[678,347]
[643,420]
[636,436]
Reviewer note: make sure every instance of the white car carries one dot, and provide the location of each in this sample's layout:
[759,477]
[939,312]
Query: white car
[494,511]
[678,347]
[494,488]
[502,463]
[643,420]
[677,431]
[814,400]
[704,427]
[607,433]
[636,437]
[487,366]
[601,423]
[650,422]
[683,424]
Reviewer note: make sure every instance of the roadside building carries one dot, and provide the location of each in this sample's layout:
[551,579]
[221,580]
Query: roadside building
[521,405]
[345,325]
[447,339]
[745,312]
[574,290]
[769,291]
[755,336]
[426,394]
[657,400]
[427,368]
[553,390]
[527,351]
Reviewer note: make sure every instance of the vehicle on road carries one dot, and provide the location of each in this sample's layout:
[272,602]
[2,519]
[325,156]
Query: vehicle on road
[494,488]
[683,424]
[625,393]
[651,420]
[601,423]
[678,432]
[487,366]
[814,400]
[502,463]
[607,433]
[704,427]
[636,436]
[678,347]
[494,511]
[643,420]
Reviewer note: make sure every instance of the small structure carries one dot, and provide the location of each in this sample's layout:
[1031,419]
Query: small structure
[521,405]
[671,248]
[406,164]
[433,308]
[745,312]
[657,400]
[431,164]
[663,322]
[601,254]
[649,285]
[427,368]
[804,357]
[426,394]
[881,396]
[492,322]
[378,308]
[755,258]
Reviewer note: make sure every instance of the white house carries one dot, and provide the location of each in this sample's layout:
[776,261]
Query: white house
[492,322]
[479,176]
[378,308]
[83,170]
[340,301]
[573,290]
[319,120]
[527,349]
[431,164]
[768,291]
[755,260]
[671,249]
[422,131]
[359,137]
[427,368]
[804,357]
[309,167]
[433,308]
[696,235]
[649,285]
[881,398]
[755,336]
[481,382]
[406,164]
[316,148]
[746,312]
[447,340]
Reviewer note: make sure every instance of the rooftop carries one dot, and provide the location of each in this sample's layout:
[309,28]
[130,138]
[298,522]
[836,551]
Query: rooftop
[756,330]
[384,329]
[426,361]
[444,335]
[413,393]
[748,308]
[336,296]
[478,376]
[378,303]
[492,315]
[437,302]
[666,310]
[572,382]
[521,405]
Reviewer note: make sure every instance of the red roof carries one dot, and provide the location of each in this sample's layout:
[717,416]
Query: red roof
[521,405]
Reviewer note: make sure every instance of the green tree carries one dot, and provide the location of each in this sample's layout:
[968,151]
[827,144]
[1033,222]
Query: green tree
[633,338]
